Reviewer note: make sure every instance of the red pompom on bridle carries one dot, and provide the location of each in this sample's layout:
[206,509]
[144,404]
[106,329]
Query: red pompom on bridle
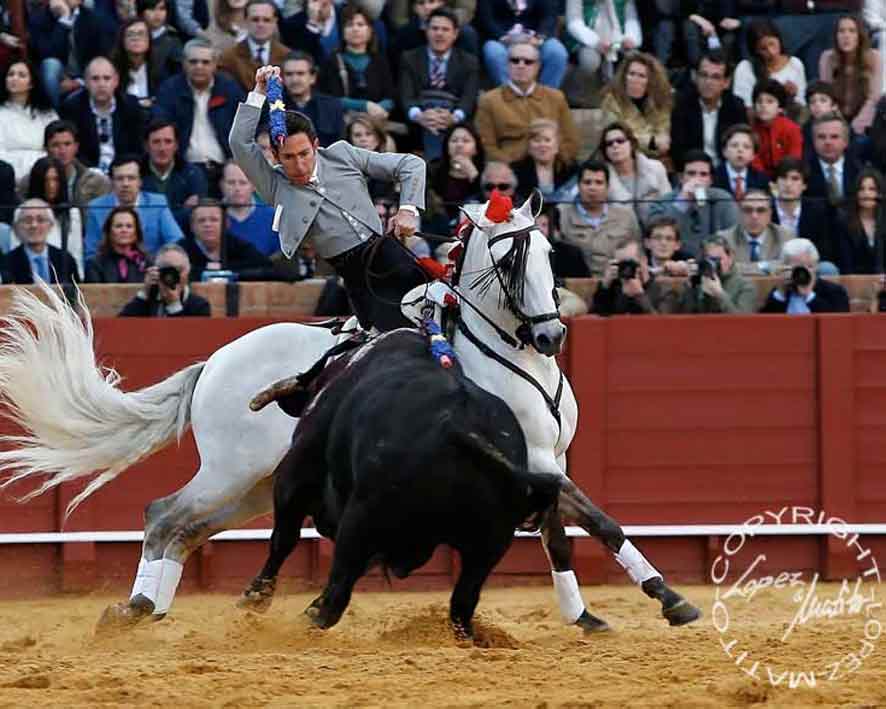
[499,209]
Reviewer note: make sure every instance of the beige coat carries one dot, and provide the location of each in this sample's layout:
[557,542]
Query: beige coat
[773,242]
[597,245]
[652,183]
[644,125]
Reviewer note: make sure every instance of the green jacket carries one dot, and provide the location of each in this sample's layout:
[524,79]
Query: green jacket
[739,296]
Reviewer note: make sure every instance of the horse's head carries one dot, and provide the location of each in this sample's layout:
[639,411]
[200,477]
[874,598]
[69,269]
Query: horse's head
[507,267]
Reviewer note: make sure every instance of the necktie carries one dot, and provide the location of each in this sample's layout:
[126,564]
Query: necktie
[834,189]
[40,268]
[260,55]
[739,188]
[755,250]
[438,76]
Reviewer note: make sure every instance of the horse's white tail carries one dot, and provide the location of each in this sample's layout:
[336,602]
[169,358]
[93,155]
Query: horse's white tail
[76,421]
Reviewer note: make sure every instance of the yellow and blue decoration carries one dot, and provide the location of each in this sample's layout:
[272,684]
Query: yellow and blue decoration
[277,111]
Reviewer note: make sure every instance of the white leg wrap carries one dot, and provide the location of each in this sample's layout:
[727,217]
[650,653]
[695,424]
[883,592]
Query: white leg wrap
[635,563]
[147,579]
[568,595]
[172,574]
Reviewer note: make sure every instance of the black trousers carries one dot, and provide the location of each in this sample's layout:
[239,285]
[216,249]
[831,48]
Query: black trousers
[377,274]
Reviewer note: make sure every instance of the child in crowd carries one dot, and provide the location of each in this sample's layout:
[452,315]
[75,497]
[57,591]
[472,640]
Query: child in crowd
[821,99]
[735,173]
[664,249]
[777,136]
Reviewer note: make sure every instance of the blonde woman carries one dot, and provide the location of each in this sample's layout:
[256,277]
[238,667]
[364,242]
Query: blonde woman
[545,167]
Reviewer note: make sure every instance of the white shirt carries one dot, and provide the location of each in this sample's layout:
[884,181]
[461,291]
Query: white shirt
[204,146]
[732,174]
[106,150]
[744,81]
[789,221]
[21,136]
[265,47]
[138,82]
[517,91]
[709,130]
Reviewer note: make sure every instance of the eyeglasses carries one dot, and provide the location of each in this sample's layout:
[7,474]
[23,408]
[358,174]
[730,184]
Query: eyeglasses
[663,237]
[135,34]
[704,76]
[615,141]
[194,62]
[522,60]
[33,220]
[500,186]
[755,210]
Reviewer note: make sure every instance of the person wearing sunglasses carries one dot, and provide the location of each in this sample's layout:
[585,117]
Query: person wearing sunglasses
[758,242]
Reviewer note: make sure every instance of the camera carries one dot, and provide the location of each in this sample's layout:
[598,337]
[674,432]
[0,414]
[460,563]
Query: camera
[801,277]
[627,269]
[708,267]
[169,276]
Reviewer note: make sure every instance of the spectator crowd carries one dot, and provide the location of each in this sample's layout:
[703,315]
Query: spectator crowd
[734,139]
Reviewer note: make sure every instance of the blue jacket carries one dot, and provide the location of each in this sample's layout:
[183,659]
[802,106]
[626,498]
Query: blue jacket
[158,225]
[175,102]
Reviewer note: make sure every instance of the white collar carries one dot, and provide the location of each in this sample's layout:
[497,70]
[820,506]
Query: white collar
[253,46]
[760,238]
[100,113]
[733,174]
[517,91]
[838,165]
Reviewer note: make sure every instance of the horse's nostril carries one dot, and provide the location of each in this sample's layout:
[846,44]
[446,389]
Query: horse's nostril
[544,340]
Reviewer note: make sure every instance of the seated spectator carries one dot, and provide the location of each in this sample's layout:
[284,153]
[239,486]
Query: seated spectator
[861,226]
[854,70]
[211,248]
[599,33]
[567,261]
[228,25]
[504,24]
[121,255]
[778,137]
[359,73]
[627,287]
[735,174]
[386,208]
[591,223]
[438,82]
[35,257]
[706,25]
[84,183]
[756,240]
[718,287]
[634,179]
[158,225]
[166,296]
[326,112]
[165,173]
[498,176]
[639,97]
[544,168]
[664,250]
[803,292]
[875,18]
[504,114]
[833,170]
[258,49]
[202,104]
[768,60]
[821,99]
[191,17]
[705,111]
[413,34]
[8,197]
[108,123]
[263,141]
[699,208]
[166,46]
[134,60]
[25,111]
[455,177]
[809,218]
[47,182]
[246,219]
[66,36]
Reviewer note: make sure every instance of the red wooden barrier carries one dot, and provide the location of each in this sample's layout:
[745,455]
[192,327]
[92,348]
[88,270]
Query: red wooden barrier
[683,421]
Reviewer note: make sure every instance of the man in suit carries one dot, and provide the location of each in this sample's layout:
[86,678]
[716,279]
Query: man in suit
[757,241]
[325,112]
[413,33]
[163,298]
[438,83]
[158,225]
[321,193]
[833,170]
[704,112]
[35,258]
[260,46]
[60,140]
[202,104]
[803,292]
[735,174]
[108,122]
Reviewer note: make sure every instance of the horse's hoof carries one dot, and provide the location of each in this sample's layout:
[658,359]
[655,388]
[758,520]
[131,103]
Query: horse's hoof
[681,613]
[259,596]
[318,617]
[591,623]
[120,616]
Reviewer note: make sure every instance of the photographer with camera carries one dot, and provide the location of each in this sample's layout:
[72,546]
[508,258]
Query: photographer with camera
[627,287]
[166,293]
[802,292]
[716,286]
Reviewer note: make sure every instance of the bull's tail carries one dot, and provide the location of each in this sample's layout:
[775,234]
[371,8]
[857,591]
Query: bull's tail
[75,420]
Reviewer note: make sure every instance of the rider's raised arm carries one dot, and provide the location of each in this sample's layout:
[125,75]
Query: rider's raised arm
[247,152]
[408,171]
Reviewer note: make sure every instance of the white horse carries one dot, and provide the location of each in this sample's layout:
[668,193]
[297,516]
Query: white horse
[77,423]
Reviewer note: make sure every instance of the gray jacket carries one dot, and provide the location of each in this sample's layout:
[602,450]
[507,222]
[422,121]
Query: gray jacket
[698,221]
[322,212]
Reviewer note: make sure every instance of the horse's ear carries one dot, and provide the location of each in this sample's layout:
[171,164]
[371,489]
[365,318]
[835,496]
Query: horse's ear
[473,213]
[532,207]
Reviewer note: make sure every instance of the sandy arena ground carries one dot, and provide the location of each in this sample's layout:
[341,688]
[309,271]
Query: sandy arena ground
[395,650]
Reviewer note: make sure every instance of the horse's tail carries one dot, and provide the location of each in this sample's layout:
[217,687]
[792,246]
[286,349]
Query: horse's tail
[75,421]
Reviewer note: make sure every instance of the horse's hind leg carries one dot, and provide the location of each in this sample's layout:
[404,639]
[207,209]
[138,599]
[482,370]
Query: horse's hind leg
[575,504]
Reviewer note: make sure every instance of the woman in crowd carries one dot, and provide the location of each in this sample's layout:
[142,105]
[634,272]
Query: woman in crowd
[640,97]
[363,131]
[598,31]
[359,72]
[455,177]
[861,229]
[25,111]
[134,60]
[228,25]
[544,167]
[166,46]
[853,69]
[634,178]
[121,256]
[768,61]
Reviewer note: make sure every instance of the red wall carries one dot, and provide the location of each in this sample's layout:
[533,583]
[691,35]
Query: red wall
[683,421]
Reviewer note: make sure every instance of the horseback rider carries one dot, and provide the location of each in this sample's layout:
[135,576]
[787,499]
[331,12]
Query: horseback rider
[321,194]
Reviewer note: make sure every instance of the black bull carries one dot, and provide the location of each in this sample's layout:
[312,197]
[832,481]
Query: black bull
[396,456]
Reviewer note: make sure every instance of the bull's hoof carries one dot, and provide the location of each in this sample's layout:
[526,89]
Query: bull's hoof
[681,613]
[318,616]
[462,632]
[258,596]
[591,623]
[122,616]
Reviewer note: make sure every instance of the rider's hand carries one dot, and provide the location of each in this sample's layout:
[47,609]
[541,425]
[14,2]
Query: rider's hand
[404,223]
[262,74]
